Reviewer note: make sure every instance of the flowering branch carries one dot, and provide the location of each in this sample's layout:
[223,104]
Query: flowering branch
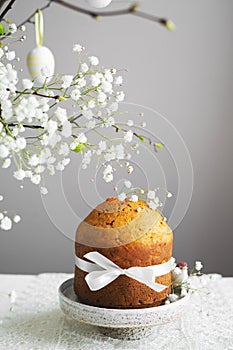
[44,120]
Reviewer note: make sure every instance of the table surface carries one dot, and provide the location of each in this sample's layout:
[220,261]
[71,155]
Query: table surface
[31,319]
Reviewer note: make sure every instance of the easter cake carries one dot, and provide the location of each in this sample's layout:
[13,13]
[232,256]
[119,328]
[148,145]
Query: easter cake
[129,234]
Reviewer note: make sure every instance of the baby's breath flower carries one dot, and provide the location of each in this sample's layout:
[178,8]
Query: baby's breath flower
[198,265]
[113,107]
[102,145]
[10,55]
[16,219]
[108,177]
[173,297]
[27,83]
[127,184]
[34,160]
[91,104]
[120,96]
[106,86]
[78,48]
[81,138]
[152,205]
[130,169]
[107,173]
[66,161]
[21,142]
[128,136]
[61,114]
[151,194]
[84,68]
[22,28]
[6,223]
[108,75]
[118,80]
[19,174]
[122,196]
[12,28]
[183,292]
[66,129]
[67,80]
[75,94]
[101,97]
[4,151]
[95,80]
[134,198]
[94,61]
[35,179]
[130,122]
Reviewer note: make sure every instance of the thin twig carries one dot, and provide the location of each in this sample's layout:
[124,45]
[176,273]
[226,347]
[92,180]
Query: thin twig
[98,14]
[8,8]
[133,10]
[94,14]
[11,125]
[57,97]
[28,20]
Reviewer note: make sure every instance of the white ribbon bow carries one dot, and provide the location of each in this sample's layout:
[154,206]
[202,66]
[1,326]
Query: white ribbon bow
[103,271]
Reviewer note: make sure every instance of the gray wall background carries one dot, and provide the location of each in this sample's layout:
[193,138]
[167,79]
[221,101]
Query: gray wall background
[188,77]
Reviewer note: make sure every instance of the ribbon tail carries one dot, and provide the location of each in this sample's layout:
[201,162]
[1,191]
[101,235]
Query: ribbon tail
[147,279]
[99,279]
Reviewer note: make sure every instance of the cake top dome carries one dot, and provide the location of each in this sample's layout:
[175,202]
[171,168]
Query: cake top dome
[115,213]
[114,223]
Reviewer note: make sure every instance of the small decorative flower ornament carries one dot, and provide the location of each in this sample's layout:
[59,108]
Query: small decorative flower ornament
[40,60]
[99,3]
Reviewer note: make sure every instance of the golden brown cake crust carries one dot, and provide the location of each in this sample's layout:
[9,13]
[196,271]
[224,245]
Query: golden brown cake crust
[151,248]
[114,213]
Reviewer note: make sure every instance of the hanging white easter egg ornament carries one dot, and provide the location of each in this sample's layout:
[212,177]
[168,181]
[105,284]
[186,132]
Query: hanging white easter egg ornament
[40,60]
[99,3]
[41,64]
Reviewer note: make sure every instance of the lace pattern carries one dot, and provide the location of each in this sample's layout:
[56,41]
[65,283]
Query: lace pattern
[37,323]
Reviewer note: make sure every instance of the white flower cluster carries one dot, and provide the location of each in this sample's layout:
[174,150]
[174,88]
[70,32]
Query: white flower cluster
[134,194]
[55,133]
[39,128]
[183,280]
[5,220]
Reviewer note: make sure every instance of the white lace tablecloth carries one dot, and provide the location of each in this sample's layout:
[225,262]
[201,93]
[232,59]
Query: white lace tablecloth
[34,321]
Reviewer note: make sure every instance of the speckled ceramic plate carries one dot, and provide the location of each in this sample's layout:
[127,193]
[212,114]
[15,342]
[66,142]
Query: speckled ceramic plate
[121,323]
